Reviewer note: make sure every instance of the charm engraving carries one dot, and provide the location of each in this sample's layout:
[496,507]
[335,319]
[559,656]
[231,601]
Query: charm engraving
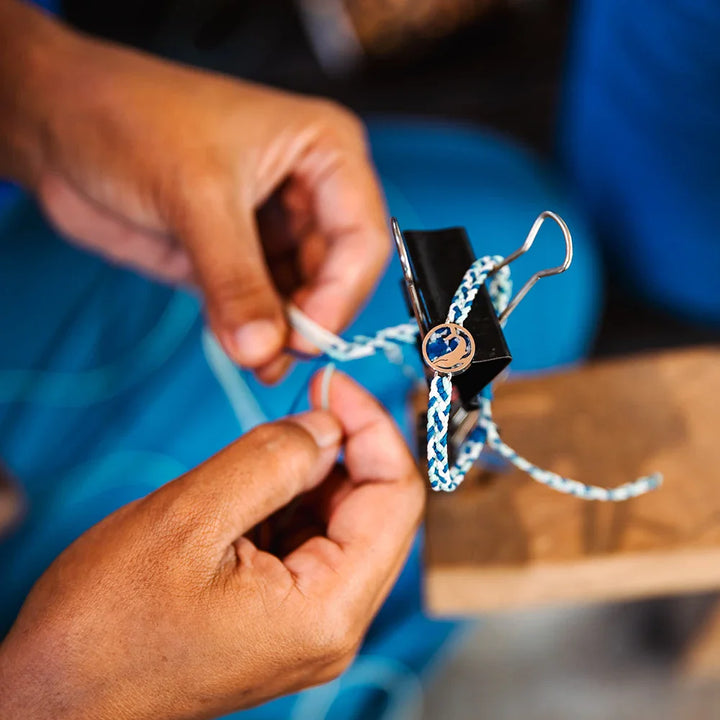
[448,348]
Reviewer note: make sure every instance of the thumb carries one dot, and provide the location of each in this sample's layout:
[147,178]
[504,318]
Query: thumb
[244,309]
[259,473]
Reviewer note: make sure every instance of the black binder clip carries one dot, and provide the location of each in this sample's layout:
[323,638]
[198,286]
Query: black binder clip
[433,265]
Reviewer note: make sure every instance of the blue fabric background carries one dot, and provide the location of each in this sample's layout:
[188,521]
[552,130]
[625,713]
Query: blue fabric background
[640,139]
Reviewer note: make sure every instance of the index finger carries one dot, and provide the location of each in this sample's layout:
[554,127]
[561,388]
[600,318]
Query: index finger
[349,213]
[374,512]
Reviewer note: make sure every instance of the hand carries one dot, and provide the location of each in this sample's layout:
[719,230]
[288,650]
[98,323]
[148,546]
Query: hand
[256,195]
[167,610]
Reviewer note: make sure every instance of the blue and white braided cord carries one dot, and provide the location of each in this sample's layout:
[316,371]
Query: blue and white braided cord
[388,340]
[440,474]
[564,485]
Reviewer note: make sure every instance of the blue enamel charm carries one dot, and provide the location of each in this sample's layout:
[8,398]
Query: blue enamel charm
[448,348]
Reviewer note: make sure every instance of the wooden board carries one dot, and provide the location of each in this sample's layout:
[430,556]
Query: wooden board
[504,541]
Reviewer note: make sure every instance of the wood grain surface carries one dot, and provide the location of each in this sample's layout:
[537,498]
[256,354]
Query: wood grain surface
[504,541]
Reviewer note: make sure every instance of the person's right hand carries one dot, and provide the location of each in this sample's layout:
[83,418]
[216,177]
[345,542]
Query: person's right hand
[167,610]
[256,196]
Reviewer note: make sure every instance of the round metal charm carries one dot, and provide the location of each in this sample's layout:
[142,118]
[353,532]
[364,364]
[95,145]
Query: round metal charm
[448,348]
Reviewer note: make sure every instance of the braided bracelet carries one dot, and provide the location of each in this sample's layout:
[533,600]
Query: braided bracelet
[447,348]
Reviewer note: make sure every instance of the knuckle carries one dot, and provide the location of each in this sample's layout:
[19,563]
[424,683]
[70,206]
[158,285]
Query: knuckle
[255,285]
[342,121]
[230,289]
[205,188]
[205,182]
[289,446]
[284,434]
[237,297]
[179,537]
[200,188]
[177,522]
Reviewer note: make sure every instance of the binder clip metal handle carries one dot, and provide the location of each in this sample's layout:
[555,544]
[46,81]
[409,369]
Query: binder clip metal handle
[548,272]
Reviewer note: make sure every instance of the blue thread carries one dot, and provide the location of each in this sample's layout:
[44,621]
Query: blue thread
[245,407]
[58,388]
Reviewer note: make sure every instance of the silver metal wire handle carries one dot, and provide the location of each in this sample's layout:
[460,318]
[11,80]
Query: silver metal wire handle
[527,244]
[529,240]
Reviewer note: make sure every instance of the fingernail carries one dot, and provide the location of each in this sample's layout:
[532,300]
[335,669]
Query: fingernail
[324,428]
[256,342]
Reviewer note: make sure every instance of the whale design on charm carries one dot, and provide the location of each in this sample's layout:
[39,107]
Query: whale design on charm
[448,348]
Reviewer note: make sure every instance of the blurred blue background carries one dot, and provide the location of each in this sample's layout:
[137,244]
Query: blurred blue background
[479,114]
